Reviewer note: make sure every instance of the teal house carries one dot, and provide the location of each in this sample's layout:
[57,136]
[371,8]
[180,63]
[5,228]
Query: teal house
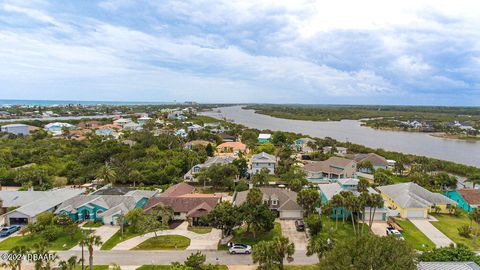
[468,199]
[104,208]
[327,191]
[264,137]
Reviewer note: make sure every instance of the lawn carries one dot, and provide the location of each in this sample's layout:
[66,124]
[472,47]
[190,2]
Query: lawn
[91,224]
[168,267]
[449,224]
[200,230]
[165,242]
[241,236]
[117,238]
[414,236]
[343,231]
[64,242]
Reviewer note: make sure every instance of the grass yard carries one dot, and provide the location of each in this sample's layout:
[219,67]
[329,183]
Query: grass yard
[414,236]
[168,267]
[165,242]
[117,238]
[344,230]
[91,224]
[241,236]
[64,242]
[449,224]
[200,230]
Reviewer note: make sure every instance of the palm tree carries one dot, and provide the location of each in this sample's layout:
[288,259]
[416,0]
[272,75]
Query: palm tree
[317,245]
[475,216]
[135,176]
[376,201]
[336,202]
[474,179]
[41,249]
[90,242]
[106,173]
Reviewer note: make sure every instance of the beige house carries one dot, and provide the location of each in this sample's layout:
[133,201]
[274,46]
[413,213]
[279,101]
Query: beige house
[332,168]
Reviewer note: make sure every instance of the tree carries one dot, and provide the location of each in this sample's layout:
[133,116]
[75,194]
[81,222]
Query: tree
[134,218]
[314,224]
[375,201]
[195,260]
[209,150]
[69,264]
[365,166]
[474,179]
[90,242]
[475,217]
[136,177]
[164,213]
[221,175]
[45,258]
[369,252]
[309,199]
[279,138]
[225,216]
[335,203]
[318,245]
[271,254]
[107,174]
[382,178]
[460,253]
[362,184]
[295,178]
[262,219]
[242,167]
[261,177]
[150,223]
[444,180]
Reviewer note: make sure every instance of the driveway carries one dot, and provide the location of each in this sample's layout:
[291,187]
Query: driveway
[208,241]
[379,228]
[104,231]
[298,238]
[437,237]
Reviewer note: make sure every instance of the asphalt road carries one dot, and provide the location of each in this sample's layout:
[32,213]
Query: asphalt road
[128,257]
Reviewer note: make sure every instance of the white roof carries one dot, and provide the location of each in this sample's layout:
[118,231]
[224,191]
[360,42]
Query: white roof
[58,124]
[411,195]
[348,181]
[122,120]
[48,200]
[15,125]
[330,190]
[264,136]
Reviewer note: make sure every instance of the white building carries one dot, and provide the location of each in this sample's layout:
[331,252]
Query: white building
[17,129]
[263,160]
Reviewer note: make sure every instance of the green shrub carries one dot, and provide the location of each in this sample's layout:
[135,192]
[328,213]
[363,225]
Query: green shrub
[465,231]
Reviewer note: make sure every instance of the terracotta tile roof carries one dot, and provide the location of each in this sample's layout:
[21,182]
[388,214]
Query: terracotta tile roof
[471,196]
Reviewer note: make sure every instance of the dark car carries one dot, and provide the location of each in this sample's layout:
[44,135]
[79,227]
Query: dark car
[300,225]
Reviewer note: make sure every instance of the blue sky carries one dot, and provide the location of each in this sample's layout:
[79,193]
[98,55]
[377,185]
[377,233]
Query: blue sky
[275,51]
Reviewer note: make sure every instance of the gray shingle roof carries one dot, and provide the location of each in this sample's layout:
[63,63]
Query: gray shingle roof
[287,199]
[411,195]
[263,157]
[330,190]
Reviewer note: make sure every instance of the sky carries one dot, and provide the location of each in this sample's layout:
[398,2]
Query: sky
[273,51]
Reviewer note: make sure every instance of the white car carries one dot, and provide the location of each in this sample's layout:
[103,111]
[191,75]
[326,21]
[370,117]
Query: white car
[240,249]
[395,233]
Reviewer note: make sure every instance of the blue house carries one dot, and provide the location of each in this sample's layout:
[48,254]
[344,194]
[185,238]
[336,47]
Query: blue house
[104,208]
[468,199]
[327,191]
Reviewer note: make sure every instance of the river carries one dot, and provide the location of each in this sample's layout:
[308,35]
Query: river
[465,152]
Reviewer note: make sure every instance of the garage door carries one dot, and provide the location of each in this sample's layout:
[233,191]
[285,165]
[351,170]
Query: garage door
[291,214]
[415,214]
[18,221]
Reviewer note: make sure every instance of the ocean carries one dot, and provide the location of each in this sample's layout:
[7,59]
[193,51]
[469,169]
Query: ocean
[83,102]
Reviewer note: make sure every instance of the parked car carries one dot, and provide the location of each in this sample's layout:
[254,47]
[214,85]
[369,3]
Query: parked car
[396,233]
[240,249]
[6,231]
[300,225]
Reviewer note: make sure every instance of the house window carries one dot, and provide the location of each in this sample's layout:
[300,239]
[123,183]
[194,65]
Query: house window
[176,213]
[265,202]
[274,202]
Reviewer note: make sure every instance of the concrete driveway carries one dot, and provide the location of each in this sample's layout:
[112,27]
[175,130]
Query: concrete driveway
[208,241]
[379,228]
[437,237]
[298,238]
[105,232]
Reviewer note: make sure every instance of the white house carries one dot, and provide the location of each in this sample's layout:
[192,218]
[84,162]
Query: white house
[56,128]
[263,160]
[122,121]
[17,129]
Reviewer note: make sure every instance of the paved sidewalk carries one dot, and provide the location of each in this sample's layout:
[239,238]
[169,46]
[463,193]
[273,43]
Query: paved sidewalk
[208,241]
[105,232]
[437,237]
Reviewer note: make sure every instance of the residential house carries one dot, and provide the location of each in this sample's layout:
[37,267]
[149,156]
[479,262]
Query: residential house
[132,126]
[227,137]
[282,201]
[232,148]
[215,128]
[186,204]
[122,121]
[181,132]
[468,198]
[223,160]
[327,191]
[413,201]
[339,151]
[17,129]
[377,161]
[332,168]
[57,127]
[144,119]
[302,145]
[89,124]
[104,208]
[194,127]
[263,160]
[27,205]
[264,137]
[189,145]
